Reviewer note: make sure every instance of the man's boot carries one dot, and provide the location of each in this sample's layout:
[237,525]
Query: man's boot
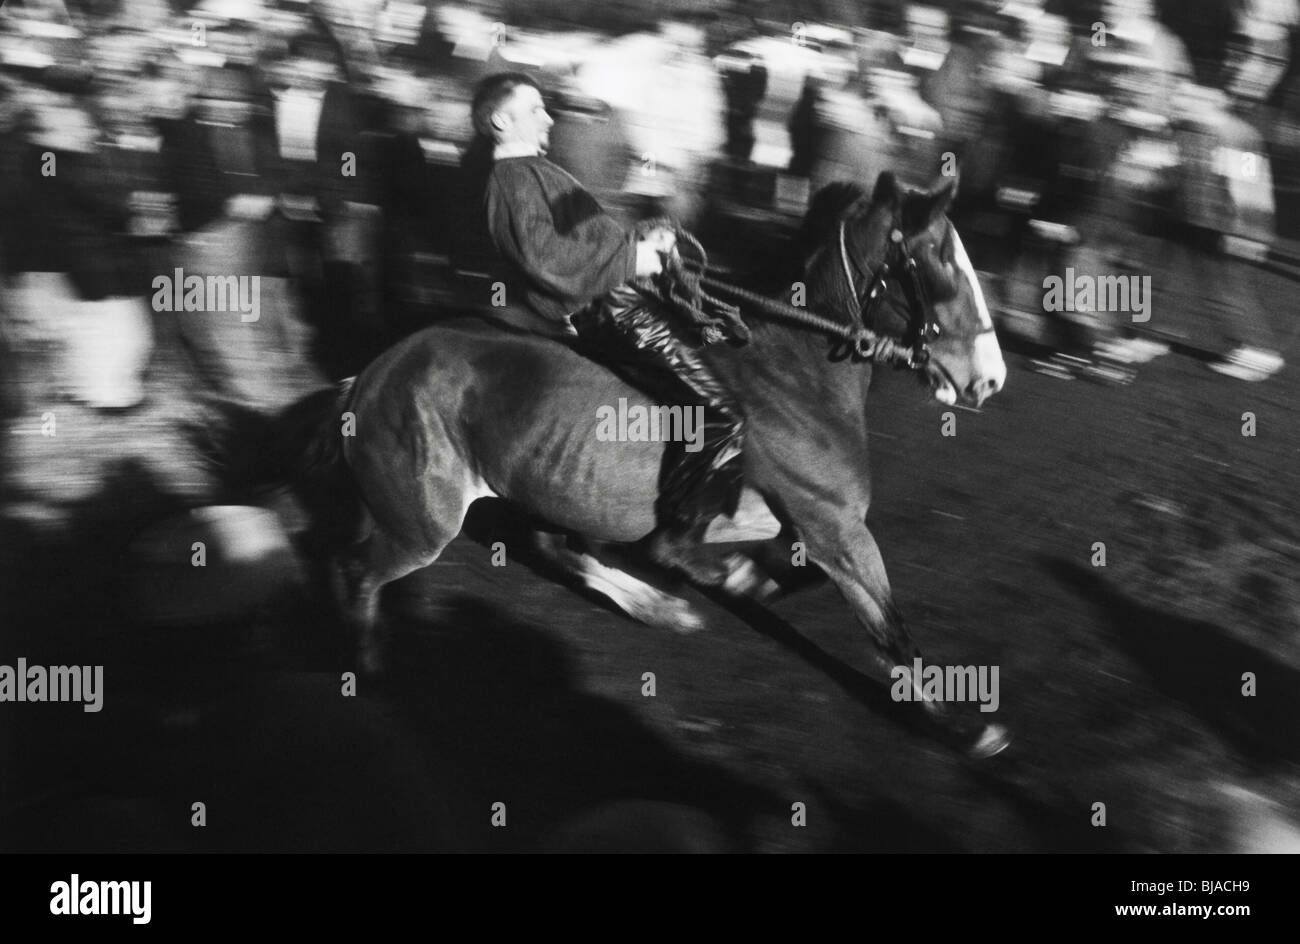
[698,487]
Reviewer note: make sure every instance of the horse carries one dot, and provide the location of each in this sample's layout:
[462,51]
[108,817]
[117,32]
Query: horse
[460,411]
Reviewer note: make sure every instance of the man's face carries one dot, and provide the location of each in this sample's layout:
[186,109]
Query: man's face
[523,120]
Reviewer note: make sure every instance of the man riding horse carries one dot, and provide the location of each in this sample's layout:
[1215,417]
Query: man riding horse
[575,265]
[439,423]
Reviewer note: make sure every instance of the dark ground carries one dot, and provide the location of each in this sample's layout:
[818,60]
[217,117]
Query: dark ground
[1121,684]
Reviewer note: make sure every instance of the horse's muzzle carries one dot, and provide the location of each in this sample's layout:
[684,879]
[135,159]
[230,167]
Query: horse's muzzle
[977,391]
[990,370]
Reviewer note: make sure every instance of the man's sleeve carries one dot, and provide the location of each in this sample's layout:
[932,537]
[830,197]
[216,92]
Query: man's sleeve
[595,256]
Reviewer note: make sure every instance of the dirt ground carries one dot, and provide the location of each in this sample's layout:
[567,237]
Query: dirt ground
[1121,684]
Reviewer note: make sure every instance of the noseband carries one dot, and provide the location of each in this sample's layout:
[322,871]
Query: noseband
[898,263]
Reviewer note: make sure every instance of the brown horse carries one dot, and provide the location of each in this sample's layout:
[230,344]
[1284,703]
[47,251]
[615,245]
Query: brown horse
[462,411]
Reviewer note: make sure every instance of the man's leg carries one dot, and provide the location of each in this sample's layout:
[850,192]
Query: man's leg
[1224,285]
[696,486]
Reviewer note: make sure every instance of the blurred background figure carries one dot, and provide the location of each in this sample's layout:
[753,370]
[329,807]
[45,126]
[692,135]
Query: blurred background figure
[861,113]
[591,141]
[415,207]
[838,133]
[974,126]
[75,318]
[1258,50]
[673,108]
[354,28]
[1024,166]
[226,162]
[1255,65]
[1189,167]
[1216,150]
[1064,144]
[744,84]
[330,166]
[1284,157]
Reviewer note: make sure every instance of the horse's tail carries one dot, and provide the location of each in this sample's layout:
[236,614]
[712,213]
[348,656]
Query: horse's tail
[300,447]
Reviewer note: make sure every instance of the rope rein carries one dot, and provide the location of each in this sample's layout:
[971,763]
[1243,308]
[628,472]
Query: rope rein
[681,287]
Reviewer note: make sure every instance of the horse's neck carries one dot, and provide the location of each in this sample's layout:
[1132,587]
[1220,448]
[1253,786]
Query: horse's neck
[786,364]
[792,367]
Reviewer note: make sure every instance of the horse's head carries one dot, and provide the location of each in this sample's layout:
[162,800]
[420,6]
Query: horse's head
[896,265]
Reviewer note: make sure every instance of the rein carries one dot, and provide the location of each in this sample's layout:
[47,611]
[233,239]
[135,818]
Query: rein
[862,342]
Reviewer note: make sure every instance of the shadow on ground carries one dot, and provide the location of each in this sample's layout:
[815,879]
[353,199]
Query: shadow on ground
[1202,667]
[250,718]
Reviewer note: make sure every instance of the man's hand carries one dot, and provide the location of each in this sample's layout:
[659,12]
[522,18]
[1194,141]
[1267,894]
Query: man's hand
[651,249]
[662,238]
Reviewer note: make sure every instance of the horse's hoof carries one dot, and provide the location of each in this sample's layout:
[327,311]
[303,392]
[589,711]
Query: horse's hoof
[638,599]
[686,620]
[746,579]
[671,613]
[696,563]
[370,662]
[993,740]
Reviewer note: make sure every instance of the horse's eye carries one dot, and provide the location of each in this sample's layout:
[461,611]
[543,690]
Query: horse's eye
[942,273]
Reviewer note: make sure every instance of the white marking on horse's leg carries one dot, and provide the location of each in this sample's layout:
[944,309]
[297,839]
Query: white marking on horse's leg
[753,521]
[636,598]
[993,741]
[747,580]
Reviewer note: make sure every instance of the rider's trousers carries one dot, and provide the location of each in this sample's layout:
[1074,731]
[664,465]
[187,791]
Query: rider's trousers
[634,336]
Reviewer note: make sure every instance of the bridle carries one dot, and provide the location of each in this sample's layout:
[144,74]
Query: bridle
[899,262]
[857,340]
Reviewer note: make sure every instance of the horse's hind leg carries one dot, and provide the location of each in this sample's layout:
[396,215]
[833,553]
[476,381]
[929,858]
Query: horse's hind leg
[416,497]
[635,597]
[365,570]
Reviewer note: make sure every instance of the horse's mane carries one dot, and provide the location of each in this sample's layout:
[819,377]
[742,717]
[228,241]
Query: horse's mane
[828,205]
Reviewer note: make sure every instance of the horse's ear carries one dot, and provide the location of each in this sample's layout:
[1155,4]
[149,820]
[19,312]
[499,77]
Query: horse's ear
[923,207]
[887,189]
[946,190]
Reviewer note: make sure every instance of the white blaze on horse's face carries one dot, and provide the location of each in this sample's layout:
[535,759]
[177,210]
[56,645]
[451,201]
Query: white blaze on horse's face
[966,362]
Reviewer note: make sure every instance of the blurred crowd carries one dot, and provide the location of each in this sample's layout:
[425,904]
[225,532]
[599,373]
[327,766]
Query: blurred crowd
[317,145]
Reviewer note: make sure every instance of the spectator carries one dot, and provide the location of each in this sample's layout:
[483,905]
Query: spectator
[329,190]
[223,163]
[66,211]
[672,104]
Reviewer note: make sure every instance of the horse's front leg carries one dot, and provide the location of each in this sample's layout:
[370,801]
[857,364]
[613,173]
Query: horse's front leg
[849,555]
